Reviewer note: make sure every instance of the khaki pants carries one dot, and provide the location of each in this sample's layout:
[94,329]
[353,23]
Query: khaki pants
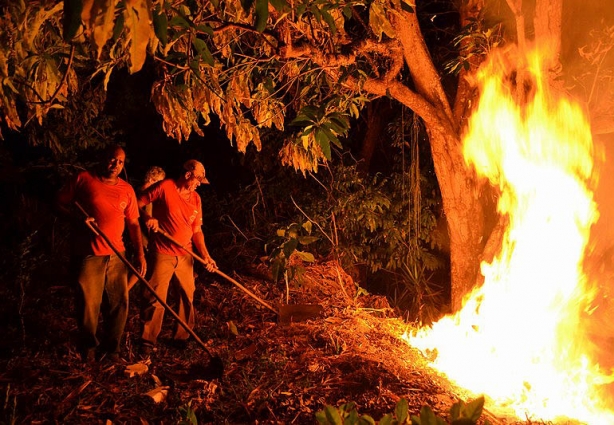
[163,269]
[102,286]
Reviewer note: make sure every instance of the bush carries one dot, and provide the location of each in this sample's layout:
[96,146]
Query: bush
[461,413]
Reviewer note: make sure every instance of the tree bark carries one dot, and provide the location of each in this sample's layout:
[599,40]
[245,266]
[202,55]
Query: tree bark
[459,185]
[548,27]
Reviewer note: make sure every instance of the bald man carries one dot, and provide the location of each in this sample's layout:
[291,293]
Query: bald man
[177,209]
[102,277]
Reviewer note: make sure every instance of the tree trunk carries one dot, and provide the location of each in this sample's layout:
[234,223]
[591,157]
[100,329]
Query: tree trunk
[463,210]
[460,188]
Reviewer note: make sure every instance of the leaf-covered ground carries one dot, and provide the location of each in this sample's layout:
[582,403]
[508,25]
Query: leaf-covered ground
[273,372]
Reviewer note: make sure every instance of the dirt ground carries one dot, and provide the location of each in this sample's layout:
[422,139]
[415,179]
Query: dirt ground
[274,371]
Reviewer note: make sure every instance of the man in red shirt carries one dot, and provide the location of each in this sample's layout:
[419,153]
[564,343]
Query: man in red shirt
[102,275]
[177,209]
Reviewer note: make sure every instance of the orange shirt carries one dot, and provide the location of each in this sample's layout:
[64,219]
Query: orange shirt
[179,217]
[110,205]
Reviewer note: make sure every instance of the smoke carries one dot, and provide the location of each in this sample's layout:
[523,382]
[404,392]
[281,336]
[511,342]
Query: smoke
[580,18]
[587,55]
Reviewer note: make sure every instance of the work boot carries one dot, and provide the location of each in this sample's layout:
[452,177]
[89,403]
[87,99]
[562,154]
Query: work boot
[89,355]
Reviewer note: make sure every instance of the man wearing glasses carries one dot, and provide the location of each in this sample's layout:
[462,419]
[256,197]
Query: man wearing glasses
[177,210]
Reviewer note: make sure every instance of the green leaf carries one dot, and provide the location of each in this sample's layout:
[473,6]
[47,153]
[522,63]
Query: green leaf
[119,27]
[306,256]
[347,407]
[341,117]
[160,22]
[206,29]
[308,130]
[311,112]
[386,420]
[321,417]
[331,137]
[203,51]
[329,20]
[290,247]
[301,121]
[333,415]
[262,14]
[199,45]
[324,143]
[306,240]
[427,417]
[401,410]
[195,66]
[366,420]
[351,417]
[456,410]
[473,410]
[316,13]
[71,21]
[179,21]
[339,125]
[347,11]
[184,10]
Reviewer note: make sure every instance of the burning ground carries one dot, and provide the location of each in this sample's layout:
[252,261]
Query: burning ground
[273,372]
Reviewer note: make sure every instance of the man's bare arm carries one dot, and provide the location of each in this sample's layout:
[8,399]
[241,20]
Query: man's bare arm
[134,230]
[198,240]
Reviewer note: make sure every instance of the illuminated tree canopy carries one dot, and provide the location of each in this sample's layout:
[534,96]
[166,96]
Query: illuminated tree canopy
[304,68]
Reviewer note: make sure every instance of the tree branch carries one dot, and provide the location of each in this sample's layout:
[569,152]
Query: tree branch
[417,57]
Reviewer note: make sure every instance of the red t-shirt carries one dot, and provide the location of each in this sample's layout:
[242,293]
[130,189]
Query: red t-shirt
[179,217]
[110,205]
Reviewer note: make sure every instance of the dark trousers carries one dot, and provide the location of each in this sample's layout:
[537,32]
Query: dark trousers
[167,269]
[102,286]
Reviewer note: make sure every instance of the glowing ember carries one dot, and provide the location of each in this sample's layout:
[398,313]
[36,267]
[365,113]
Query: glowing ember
[519,338]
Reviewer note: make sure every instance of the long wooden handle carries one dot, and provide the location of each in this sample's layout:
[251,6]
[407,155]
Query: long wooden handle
[94,227]
[218,271]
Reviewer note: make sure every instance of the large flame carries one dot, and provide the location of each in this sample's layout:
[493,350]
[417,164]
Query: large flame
[520,338]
